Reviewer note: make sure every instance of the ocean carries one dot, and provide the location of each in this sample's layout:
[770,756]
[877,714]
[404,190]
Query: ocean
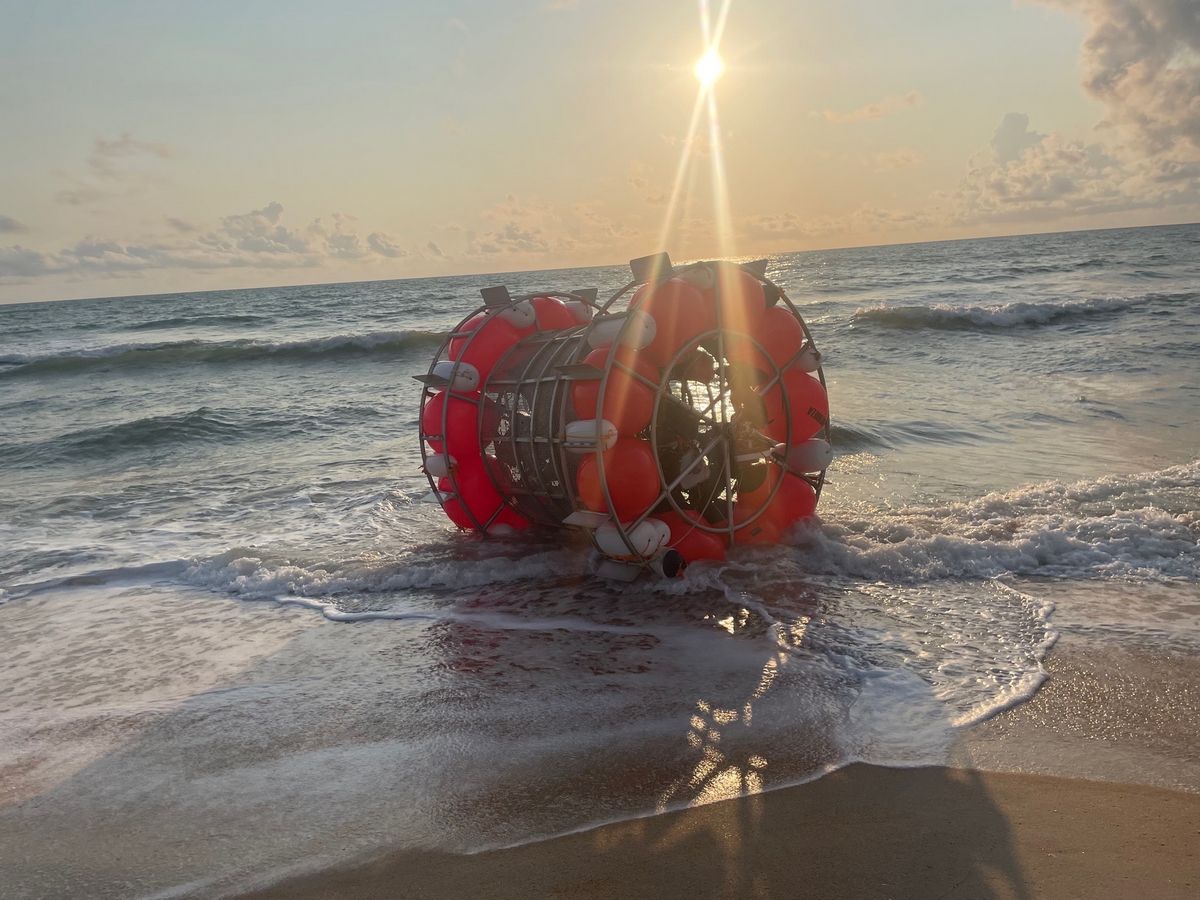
[237,640]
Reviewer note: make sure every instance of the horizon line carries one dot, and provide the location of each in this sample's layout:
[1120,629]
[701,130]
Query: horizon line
[994,237]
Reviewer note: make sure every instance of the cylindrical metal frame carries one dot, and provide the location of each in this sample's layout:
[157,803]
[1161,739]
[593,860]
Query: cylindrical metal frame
[547,494]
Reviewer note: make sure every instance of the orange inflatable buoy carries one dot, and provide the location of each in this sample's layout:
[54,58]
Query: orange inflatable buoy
[494,337]
[740,296]
[762,530]
[807,402]
[552,314]
[681,312]
[631,474]
[462,434]
[693,543]
[796,499]
[628,403]
[780,335]
[477,496]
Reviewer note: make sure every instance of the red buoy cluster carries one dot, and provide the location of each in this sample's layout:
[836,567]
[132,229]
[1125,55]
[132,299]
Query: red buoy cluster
[689,420]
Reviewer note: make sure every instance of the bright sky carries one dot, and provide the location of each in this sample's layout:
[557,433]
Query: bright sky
[153,146]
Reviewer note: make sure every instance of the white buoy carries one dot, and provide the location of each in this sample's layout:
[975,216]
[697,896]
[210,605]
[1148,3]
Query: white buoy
[582,312]
[646,539]
[520,315]
[583,435]
[808,456]
[439,464]
[634,329]
[459,376]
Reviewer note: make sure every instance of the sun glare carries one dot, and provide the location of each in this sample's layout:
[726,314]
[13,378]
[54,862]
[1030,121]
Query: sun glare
[709,68]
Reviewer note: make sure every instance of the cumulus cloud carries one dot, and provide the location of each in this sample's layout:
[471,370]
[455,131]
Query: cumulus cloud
[1141,59]
[1013,137]
[385,245]
[260,238]
[9,225]
[1049,177]
[434,249]
[877,110]
[1031,176]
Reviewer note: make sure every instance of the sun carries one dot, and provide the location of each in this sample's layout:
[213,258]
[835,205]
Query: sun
[709,68]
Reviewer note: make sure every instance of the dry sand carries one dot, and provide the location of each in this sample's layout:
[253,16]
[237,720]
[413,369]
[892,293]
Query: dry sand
[863,832]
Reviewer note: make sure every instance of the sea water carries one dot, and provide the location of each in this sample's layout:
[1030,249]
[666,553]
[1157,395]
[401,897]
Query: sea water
[235,641]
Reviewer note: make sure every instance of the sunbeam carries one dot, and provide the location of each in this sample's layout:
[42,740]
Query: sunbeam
[708,70]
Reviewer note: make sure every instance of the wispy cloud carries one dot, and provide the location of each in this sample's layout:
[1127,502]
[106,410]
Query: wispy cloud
[877,110]
[114,167]
[259,239]
[900,158]
[9,225]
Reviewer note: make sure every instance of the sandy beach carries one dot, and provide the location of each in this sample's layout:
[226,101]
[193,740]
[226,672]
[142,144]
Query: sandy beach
[861,832]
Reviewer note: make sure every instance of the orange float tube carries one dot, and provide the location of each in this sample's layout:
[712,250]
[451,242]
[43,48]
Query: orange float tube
[796,499]
[807,402]
[552,314]
[780,335]
[681,312]
[477,497]
[631,474]
[628,403]
[493,337]
[692,541]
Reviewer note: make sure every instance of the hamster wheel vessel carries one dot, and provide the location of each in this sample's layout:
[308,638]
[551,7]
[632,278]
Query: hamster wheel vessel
[685,415]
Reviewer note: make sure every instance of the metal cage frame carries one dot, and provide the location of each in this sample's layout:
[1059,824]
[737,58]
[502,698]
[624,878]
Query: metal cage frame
[550,361]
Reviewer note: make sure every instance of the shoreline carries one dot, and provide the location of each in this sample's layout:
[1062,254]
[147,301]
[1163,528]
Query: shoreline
[861,831]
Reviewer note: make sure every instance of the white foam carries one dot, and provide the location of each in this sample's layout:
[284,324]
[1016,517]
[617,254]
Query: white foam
[1143,525]
[257,577]
[1010,315]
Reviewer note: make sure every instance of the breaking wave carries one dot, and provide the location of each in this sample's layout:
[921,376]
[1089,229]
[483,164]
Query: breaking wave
[1143,526]
[1127,526]
[203,425]
[211,321]
[948,317]
[181,352]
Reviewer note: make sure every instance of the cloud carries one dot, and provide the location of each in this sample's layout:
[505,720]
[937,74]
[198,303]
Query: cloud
[117,166]
[9,225]
[1032,176]
[457,25]
[260,239]
[880,108]
[1141,59]
[113,158]
[1013,137]
[434,249]
[639,180]
[385,245]
[900,158]
[857,222]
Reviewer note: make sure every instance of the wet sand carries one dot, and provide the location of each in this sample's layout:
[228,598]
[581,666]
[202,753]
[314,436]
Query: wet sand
[862,832]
